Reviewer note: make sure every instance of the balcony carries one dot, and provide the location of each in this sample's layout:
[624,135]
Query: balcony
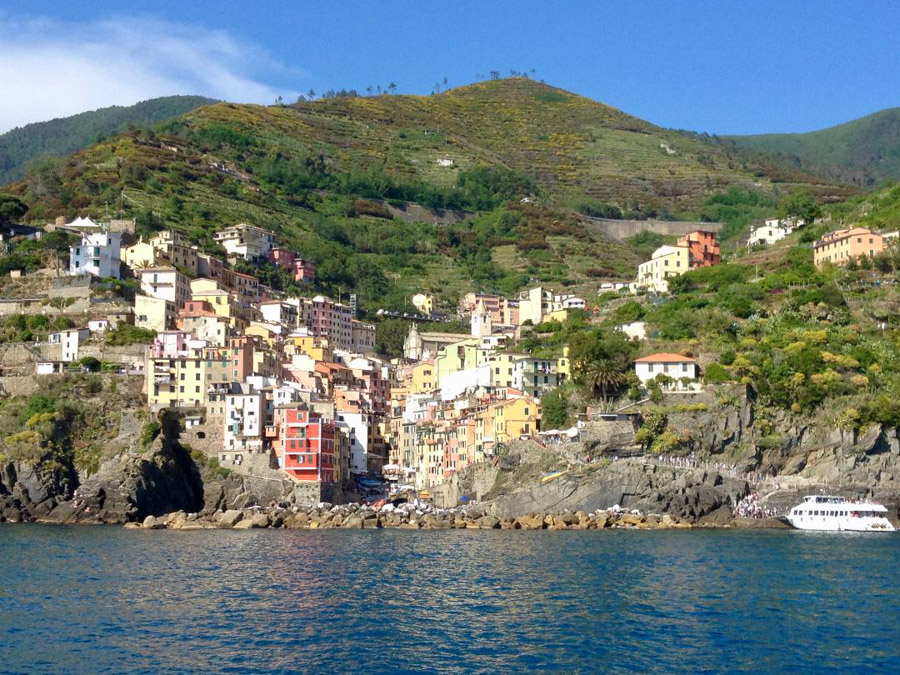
[271,432]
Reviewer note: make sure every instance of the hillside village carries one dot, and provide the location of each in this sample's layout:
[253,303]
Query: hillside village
[269,380]
[312,319]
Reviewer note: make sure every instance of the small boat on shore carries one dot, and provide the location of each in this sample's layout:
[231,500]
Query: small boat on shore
[837,514]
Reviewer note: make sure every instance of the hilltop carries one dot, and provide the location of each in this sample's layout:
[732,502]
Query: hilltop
[63,136]
[507,166]
[865,151]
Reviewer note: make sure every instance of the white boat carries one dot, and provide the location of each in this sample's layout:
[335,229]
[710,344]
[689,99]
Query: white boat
[837,514]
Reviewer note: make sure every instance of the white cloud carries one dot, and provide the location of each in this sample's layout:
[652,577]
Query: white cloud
[53,69]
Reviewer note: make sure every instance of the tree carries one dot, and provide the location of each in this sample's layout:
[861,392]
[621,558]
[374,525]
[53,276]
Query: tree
[11,208]
[603,375]
[311,94]
[392,87]
[495,74]
[90,364]
[554,410]
[800,204]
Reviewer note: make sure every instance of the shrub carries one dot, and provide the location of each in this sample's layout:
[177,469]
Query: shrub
[126,334]
[716,373]
[149,432]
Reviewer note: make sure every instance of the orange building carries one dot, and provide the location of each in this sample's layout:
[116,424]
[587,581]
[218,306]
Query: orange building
[840,246]
[703,248]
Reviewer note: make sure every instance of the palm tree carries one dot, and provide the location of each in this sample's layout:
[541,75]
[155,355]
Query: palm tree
[602,374]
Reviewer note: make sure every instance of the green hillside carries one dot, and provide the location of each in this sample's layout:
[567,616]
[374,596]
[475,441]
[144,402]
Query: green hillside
[323,175]
[63,136]
[864,152]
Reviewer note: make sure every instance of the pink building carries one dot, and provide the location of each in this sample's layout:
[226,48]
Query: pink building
[303,270]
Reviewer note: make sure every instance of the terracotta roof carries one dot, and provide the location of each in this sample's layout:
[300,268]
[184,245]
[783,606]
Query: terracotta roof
[665,358]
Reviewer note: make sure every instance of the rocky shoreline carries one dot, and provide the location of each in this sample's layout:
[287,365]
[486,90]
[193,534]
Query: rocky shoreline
[409,517]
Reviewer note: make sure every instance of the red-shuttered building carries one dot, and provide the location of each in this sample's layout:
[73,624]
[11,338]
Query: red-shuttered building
[306,441]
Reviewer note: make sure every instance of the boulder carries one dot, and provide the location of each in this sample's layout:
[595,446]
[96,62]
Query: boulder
[297,521]
[488,523]
[631,519]
[176,521]
[230,518]
[253,521]
[153,523]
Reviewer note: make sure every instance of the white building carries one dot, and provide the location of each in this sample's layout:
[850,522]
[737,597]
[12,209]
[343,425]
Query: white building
[98,254]
[245,241]
[165,283]
[69,341]
[355,426]
[535,376]
[675,366]
[244,422]
[280,312]
[636,330]
[537,302]
[773,230]
[98,325]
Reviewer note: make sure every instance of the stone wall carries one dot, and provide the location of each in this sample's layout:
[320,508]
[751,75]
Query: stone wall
[71,287]
[18,385]
[623,229]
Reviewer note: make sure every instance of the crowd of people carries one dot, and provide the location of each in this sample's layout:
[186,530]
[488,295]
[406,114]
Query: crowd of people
[730,470]
[749,507]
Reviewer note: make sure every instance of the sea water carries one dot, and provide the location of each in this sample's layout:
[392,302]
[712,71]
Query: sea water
[105,599]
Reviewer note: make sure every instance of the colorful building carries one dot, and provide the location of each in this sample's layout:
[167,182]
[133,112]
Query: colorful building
[307,446]
[703,248]
[841,246]
[666,262]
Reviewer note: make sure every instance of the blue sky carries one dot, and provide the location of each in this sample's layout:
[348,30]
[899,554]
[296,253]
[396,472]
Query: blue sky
[716,66]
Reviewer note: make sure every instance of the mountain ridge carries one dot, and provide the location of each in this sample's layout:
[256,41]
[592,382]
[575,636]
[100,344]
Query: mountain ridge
[524,160]
[62,136]
[864,151]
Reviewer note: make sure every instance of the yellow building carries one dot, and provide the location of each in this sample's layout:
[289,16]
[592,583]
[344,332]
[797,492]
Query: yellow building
[314,346]
[423,302]
[142,255]
[268,333]
[557,315]
[564,366]
[667,262]
[422,377]
[513,418]
[176,382]
[502,367]
[463,355]
[153,313]
[224,304]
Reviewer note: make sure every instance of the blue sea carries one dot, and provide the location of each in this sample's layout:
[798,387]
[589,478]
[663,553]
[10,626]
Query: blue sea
[105,599]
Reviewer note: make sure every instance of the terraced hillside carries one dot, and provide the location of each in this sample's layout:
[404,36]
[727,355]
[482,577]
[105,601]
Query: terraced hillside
[323,173]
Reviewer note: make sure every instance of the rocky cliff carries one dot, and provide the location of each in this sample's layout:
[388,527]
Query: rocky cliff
[732,447]
[134,483]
